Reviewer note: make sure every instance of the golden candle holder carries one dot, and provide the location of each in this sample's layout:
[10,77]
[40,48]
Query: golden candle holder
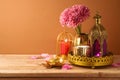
[64,43]
[56,61]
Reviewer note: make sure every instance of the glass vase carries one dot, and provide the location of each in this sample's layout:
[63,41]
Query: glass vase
[81,39]
[81,43]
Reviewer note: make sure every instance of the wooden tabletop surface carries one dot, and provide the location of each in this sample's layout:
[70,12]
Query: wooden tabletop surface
[12,65]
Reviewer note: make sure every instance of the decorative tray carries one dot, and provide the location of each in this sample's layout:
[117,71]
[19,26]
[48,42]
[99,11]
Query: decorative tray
[91,61]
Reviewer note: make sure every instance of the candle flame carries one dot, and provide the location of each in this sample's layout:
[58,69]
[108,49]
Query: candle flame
[61,60]
[66,40]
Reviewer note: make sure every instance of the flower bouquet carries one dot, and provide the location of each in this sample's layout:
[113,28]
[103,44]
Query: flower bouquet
[74,16]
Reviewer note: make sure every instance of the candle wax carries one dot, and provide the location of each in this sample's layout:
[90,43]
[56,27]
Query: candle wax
[64,47]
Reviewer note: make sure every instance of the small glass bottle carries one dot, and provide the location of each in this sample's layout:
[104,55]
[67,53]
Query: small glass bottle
[98,37]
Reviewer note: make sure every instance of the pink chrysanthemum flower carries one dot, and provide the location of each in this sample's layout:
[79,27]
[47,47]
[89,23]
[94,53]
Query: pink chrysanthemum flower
[73,16]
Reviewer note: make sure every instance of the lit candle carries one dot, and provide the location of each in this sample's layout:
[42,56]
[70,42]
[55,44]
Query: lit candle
[64,46]
[61,60]
[98,54]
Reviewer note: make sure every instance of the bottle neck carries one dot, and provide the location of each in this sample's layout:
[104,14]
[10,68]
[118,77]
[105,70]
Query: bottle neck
[98,21]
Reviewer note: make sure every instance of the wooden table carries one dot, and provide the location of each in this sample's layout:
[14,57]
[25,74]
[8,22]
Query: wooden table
[22,67]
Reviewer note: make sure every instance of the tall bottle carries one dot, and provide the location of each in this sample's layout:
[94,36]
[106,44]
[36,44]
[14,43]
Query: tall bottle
[98,37]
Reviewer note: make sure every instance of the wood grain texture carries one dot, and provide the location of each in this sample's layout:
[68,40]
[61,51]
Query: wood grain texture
[17,67]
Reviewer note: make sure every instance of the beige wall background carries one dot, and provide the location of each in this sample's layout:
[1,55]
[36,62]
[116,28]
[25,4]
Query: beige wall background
[32,26]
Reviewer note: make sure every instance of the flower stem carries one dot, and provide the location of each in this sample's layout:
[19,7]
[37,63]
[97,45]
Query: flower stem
[78,29]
